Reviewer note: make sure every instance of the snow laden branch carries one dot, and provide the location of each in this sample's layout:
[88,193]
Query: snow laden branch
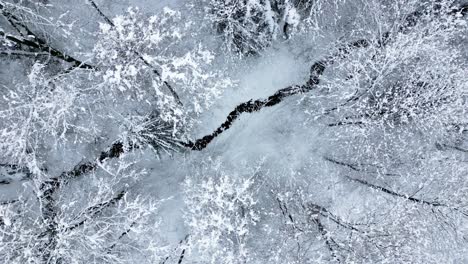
[29,39]
[315,213]
[140,56]
[379,188]
[248,27]
[41,48]
[434,203]
[94,210]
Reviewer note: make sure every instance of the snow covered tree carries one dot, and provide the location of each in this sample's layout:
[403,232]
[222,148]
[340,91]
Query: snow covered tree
[124,96]
[247,27]
[147,132]
[99,223]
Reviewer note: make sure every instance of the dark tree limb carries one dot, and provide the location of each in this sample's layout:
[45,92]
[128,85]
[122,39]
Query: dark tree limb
[50,186]
[316,71]
[8,202]
[314,212]
[382,189]
[123,234]
[49,212]
[284,210]
[458,148]
[393,193]
[328,240]
[23,53]
[9,173]
[182,254]
[181,258]
[115,151]
[108,21]
[40,48]
[31,40]
[247,107]
[348,165]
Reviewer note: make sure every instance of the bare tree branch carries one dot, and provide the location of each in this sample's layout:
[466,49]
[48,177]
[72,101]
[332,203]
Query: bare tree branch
[121,236]
[388,191]
[379,188]
[92,211]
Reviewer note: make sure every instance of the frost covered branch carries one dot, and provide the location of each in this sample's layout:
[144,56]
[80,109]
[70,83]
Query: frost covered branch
[382,189]
[139,56]
[37,44]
